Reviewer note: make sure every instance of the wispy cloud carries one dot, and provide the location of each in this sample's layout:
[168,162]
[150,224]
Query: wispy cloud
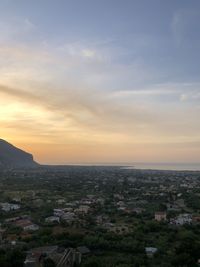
[16,27]
[90,94]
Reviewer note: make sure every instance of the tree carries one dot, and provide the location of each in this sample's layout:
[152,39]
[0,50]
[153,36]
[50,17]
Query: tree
[49,263]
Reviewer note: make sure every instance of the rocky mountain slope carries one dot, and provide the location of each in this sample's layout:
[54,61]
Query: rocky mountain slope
[11,156]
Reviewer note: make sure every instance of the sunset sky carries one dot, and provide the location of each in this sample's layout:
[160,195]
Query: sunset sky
[101,81]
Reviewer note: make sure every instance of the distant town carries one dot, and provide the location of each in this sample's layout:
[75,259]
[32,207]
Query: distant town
[99,216]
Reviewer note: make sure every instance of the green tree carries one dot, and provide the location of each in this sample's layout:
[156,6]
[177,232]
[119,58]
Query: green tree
[49,263]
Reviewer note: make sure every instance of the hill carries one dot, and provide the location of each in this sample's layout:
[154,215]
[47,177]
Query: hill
[11,156]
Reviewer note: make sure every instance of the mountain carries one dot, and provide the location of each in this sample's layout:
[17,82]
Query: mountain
[11,156]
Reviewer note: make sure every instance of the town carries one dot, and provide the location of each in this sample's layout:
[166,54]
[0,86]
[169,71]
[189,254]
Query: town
[99,216]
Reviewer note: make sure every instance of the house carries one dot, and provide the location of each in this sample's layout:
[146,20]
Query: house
[83,209]
[100,219]
[120,204]
[60,201]
[150,251]
[196,219]
[9,206]
[11,220]
[59,257]
[86,201]
[16,199]
[68,209]
[68,217]
[160,216]
[58,212]
[34,256]
[172,207]
[27,225]
[83,250]
[182,219]
[138,210]
[52,219]
[122,208]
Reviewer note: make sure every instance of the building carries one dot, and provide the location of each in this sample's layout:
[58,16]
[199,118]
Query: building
[83,250]
[160,216]
[9,207]
[83,209]
[68,217]
[182,219]
[60,257]
[58,212]
[196,219]
[27,225]
[52,219]
[150,251]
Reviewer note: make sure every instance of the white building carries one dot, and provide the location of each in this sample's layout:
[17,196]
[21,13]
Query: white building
[150,251]
[9,207]
[182,219]
[52,219]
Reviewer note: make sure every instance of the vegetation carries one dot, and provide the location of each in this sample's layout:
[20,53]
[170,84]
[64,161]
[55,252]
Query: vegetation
[119,223]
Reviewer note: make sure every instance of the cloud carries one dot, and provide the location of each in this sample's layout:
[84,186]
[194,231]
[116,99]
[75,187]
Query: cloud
[92,111]
[81,95]
[81,119]
[15,27]
[78,115]
[88,53]
[183,97]
[24,95]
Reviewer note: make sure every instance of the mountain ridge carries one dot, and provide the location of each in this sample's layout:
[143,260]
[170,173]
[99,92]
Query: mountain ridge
[11,156]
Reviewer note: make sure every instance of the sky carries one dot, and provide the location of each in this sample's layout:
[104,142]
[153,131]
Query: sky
[115,81]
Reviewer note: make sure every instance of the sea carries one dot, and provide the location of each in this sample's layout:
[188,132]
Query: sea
[147,166]
[166,166]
